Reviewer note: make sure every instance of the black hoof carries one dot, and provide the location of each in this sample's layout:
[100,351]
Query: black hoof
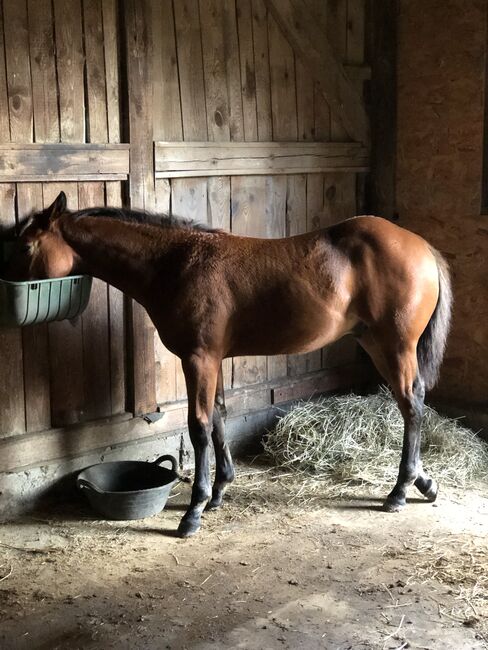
[214,503]
[433,490]
[188,527]
[393,504]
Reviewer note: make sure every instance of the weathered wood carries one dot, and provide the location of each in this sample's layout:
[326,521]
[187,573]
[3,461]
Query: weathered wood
[275,216]
[4,115]
[261,63]
[308,42]
[190,66]
[97,125]
[70,62]
[336,33]
[383,89]
[248,206]
[12,413]
[18,70]
[34,337]
[231,45]
[111,31]
[59,162]
[43,71]
[283,90]
[166,90]
[305,104]
[174,160]
[214,66]
[65,343]
[346,377]
[296,224]
[248,73]
[141,187]
[355,35]
[116,315]
[95,326]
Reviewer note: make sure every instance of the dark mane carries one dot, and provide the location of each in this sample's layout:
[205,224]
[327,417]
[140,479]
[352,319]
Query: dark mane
[141,216]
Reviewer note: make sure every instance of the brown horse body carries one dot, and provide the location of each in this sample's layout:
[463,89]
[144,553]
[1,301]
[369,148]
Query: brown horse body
[212,295]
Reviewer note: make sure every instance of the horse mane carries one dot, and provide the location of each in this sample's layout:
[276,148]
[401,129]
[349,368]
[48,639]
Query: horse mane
[142,216]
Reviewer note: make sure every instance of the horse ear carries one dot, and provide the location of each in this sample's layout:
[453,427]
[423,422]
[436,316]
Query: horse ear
[56,209]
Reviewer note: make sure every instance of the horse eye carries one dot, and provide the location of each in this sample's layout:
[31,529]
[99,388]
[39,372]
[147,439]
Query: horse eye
[26,248]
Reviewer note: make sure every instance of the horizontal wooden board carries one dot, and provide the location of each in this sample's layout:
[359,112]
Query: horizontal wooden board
[63,162]
[177,159]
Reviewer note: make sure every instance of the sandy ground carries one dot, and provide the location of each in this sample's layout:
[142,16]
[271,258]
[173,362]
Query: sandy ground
[269,570]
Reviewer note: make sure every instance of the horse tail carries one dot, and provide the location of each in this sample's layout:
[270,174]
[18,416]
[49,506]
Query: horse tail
[432,343]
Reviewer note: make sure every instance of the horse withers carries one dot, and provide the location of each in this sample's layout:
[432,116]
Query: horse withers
[212,295]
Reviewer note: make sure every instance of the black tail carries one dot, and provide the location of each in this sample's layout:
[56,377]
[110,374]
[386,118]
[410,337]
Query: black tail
[432,343]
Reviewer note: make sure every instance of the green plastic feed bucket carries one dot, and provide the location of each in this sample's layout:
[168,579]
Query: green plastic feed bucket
[42,301]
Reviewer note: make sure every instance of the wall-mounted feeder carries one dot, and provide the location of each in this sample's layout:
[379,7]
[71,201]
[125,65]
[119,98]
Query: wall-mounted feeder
[42,301]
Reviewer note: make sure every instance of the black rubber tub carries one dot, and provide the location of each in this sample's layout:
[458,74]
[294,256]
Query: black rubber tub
[128,489]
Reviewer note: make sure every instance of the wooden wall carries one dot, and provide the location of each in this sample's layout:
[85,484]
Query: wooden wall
[77,77]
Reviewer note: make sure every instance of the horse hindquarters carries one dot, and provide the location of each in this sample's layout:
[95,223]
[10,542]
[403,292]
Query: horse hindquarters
[410,363]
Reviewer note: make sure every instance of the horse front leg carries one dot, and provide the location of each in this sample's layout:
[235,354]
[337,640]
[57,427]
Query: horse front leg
[224,468]
[201,380]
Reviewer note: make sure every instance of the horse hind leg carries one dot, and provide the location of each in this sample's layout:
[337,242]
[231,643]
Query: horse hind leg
[399,368]
[224,468]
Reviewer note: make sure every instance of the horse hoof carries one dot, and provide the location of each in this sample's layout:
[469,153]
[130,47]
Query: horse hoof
[392,505]
[213,504]
[188,528]
[432,492]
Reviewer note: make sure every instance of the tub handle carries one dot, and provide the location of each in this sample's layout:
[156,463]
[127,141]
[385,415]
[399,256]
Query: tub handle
[174,467]
[83,484]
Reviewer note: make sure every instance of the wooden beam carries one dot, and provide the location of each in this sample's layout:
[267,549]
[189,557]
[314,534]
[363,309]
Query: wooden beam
[139,57]
[382,34]
[25,163]
[311,45]
[180,159]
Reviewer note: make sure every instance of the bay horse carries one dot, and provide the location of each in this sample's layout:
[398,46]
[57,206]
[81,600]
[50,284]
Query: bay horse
[212,295]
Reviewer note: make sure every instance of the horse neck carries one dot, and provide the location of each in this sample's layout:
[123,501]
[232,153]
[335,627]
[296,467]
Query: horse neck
[122,253]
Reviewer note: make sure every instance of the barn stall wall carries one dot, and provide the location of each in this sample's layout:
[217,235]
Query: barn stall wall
[440,143]
[245,115]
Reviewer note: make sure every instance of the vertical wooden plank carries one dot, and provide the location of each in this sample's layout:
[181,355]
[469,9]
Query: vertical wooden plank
[315,197]
[65,343]
[12,410]
[4,108]
[116,316]
[218,216]
[305,104]
[355,35]
[248,73]
[339,203]
[141,187]
[190,66]
[382,41]
[70,62]
[283,91]
[214,66]
[34,337]
[43,71]
[18,70]
[248,208]
[296,220]
[262,75]
[97,125]
[166,90]
[231,44]
[188,200]
[110,48]
[165,362]
[275,217]
[95,326]
[336,33]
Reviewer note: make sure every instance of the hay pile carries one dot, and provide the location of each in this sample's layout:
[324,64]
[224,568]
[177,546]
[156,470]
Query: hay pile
[351,440]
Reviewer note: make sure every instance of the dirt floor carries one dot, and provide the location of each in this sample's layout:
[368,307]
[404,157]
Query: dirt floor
[270,570]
